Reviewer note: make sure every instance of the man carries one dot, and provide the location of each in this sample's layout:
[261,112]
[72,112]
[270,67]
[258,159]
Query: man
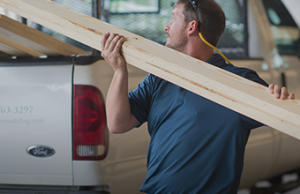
[197,146]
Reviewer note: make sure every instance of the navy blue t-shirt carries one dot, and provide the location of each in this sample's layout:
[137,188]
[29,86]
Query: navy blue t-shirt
[197,146]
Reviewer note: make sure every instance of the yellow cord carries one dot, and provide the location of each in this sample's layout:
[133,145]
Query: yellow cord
[203,39]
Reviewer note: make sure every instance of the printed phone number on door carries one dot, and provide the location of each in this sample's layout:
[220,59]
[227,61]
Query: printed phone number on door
[16,109]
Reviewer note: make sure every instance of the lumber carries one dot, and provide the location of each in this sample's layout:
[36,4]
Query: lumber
[11,50]
[35,40]
[20,47]
[225,88]
[12,37]
[4,55]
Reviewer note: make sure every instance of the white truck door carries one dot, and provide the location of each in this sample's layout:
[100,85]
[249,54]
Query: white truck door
[36,121]
[273,36]
[286,36]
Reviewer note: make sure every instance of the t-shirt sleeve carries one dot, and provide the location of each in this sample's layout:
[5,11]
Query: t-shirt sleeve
[140,99]
[252,75]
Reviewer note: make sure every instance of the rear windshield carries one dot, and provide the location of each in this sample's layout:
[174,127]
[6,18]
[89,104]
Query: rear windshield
[147,18]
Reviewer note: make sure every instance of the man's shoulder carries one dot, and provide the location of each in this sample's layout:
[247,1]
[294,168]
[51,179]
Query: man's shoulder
[218,61]
[153,79]
[246,73]
[242,71]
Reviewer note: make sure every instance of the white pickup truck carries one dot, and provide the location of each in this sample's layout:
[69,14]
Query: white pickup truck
[53,134]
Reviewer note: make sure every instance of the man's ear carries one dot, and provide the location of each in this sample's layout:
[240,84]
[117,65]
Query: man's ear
[192,27]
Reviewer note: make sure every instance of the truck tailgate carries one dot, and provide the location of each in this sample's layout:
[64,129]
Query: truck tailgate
[36,121]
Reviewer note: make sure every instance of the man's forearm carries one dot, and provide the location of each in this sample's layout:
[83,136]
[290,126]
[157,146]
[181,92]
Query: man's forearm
[117,104]
[119,117]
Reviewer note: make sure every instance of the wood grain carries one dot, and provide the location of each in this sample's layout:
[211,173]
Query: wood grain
[34,39]
[19,47]
[11,50]
[225,88]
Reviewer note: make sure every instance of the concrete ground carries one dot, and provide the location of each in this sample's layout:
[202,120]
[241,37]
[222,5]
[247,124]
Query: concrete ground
[294,191]
[286,179]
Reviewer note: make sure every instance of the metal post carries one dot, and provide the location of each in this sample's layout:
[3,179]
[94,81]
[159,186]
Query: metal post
[96,8]
[96,12]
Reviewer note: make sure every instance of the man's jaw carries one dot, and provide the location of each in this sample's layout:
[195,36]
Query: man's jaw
[168,36]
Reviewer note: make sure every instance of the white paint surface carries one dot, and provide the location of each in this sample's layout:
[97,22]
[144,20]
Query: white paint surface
[293,6]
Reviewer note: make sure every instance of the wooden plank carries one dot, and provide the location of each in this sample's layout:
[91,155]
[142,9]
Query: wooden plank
[11,50]
[20,47]
[225,88]
[8,35]
[35,39]
[4,55]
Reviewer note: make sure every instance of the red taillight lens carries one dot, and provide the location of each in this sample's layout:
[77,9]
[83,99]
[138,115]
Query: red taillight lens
[90,135]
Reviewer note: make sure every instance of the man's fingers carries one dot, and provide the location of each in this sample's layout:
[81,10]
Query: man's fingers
[108,42]
[277,91]
[111,44]
[291,96]
[119,44]
[280,92]
[284,93]
[114,43]
[104,38]
[271,88]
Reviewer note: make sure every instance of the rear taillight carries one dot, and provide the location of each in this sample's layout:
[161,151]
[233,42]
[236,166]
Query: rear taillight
[90,135]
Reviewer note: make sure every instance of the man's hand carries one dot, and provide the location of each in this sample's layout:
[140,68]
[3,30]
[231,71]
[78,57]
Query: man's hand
[111,45]
[280,93]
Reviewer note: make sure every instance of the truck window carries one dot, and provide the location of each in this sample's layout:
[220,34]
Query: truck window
[283,27]
[234,41]
[147,18]
[131,6]
[150,22]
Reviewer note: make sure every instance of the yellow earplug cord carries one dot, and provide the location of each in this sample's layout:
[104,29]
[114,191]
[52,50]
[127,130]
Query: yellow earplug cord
[194,5]
[203,39]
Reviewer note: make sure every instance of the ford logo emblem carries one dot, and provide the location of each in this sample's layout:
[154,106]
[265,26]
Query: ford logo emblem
[40,151]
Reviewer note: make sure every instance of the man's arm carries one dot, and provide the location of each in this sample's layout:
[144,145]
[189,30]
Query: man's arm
[119,117]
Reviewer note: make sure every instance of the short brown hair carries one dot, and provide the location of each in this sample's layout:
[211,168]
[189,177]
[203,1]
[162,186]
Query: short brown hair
[212,18]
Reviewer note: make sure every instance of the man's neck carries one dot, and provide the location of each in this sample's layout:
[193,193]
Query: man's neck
[203,55]
[198,50]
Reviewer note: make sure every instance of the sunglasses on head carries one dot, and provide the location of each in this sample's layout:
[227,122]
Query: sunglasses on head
[193,2]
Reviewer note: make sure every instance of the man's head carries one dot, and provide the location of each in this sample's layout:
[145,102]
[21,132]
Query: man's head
[211,15]
[176,30]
